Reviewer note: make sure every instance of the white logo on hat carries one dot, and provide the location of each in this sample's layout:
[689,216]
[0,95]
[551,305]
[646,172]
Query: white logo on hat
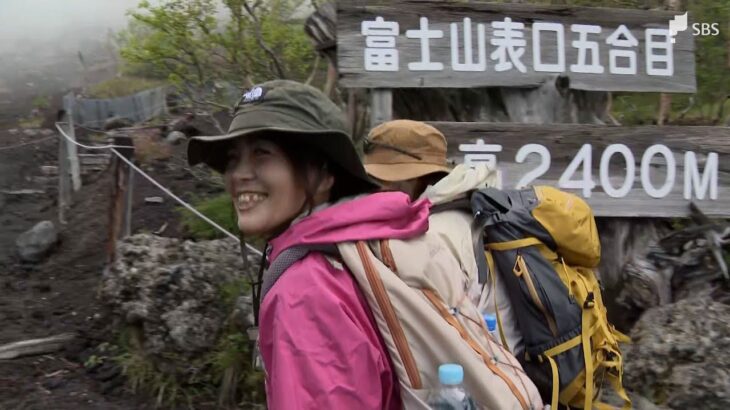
[254,94]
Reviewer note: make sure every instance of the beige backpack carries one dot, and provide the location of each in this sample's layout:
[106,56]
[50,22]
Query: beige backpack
[418,296]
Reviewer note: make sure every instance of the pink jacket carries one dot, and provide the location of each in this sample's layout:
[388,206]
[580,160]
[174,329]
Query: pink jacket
[319,342]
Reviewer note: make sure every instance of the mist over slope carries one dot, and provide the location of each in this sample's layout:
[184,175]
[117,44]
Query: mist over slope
[42,43]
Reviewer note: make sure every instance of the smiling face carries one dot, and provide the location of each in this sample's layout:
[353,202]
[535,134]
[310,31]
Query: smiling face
[267,189]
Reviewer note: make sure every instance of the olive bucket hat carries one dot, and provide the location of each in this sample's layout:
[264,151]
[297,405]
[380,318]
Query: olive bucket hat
[295,110]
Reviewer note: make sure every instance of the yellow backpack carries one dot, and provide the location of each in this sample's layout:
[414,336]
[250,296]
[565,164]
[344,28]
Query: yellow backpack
[543,243]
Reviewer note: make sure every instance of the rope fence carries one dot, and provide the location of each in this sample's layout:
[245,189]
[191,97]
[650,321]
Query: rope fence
[25,144]
[113,148]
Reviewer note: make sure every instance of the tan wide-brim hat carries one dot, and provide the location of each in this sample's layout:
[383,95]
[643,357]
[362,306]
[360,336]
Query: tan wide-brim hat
[400,150]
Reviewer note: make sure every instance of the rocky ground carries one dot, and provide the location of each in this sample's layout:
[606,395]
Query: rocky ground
[679,355]
[172,290]
[59,293]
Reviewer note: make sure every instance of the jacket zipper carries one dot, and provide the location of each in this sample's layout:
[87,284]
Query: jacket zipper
[520,269]
[399,337]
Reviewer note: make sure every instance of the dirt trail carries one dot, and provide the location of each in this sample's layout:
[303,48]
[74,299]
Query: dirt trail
[59,294]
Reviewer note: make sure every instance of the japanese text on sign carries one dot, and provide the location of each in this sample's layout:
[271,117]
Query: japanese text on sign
[505,50]
[698,184]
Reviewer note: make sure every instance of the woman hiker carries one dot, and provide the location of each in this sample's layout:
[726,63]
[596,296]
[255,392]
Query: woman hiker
[411,157]
[295,178]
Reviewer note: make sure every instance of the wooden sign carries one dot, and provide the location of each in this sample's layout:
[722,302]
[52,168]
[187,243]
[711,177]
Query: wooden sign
[434,43]
[621,171]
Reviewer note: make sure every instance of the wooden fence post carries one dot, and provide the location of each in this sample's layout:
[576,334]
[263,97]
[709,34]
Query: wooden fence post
[120,213]
[128,197]
[64,183]
[382,106]
[71,151]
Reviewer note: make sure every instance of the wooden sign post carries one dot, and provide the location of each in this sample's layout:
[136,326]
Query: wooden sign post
[442,44]
[620,171]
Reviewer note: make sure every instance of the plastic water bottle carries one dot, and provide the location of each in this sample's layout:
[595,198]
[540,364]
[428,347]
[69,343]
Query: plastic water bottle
[451,395]
[491,321]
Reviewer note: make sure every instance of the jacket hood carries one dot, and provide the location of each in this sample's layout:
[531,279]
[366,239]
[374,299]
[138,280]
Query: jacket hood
[374,216]
[462,179]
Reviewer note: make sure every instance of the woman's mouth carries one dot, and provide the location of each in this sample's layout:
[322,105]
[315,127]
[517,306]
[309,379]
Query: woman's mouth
[247,200]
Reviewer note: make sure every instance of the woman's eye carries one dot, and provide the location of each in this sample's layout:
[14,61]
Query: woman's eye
[259,152]
[231,159]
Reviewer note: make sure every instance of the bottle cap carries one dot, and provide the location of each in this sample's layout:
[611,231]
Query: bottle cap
[450,374]
[491,322]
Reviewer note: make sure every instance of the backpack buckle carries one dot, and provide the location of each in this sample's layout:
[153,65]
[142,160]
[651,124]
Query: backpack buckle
[590,301]
[257,362]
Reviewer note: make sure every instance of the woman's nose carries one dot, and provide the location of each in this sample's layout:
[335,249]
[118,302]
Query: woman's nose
[243,169]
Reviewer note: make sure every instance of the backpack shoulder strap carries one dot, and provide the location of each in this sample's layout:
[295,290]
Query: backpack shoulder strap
[490,200]
[461,204]
[465,204]
[479,254]
[287,258]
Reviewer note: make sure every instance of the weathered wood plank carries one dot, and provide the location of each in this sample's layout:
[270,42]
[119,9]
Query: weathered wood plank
[34,347]
[351,44]
[64,180]
[128,201]
[73,156]
[564,142]
[121,200]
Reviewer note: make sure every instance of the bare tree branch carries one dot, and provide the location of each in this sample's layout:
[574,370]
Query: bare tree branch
[665,105]
[721,110]
[247,81]
[609,108]
[689,107]
[331,80]
[260,39]
[315,67]
[211,118]
[213,104]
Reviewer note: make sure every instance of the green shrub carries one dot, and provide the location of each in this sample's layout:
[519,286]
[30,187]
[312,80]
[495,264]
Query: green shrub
[233,373]
[224,375]
[229,292]
[219,209]
[122,86]
[31,122]
[41,102]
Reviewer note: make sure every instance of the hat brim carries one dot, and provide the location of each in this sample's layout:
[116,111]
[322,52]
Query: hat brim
[403,171]
[336,145]
[211,149]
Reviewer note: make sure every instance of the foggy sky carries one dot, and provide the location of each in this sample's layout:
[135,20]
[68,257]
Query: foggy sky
[41,41]
[48,20]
